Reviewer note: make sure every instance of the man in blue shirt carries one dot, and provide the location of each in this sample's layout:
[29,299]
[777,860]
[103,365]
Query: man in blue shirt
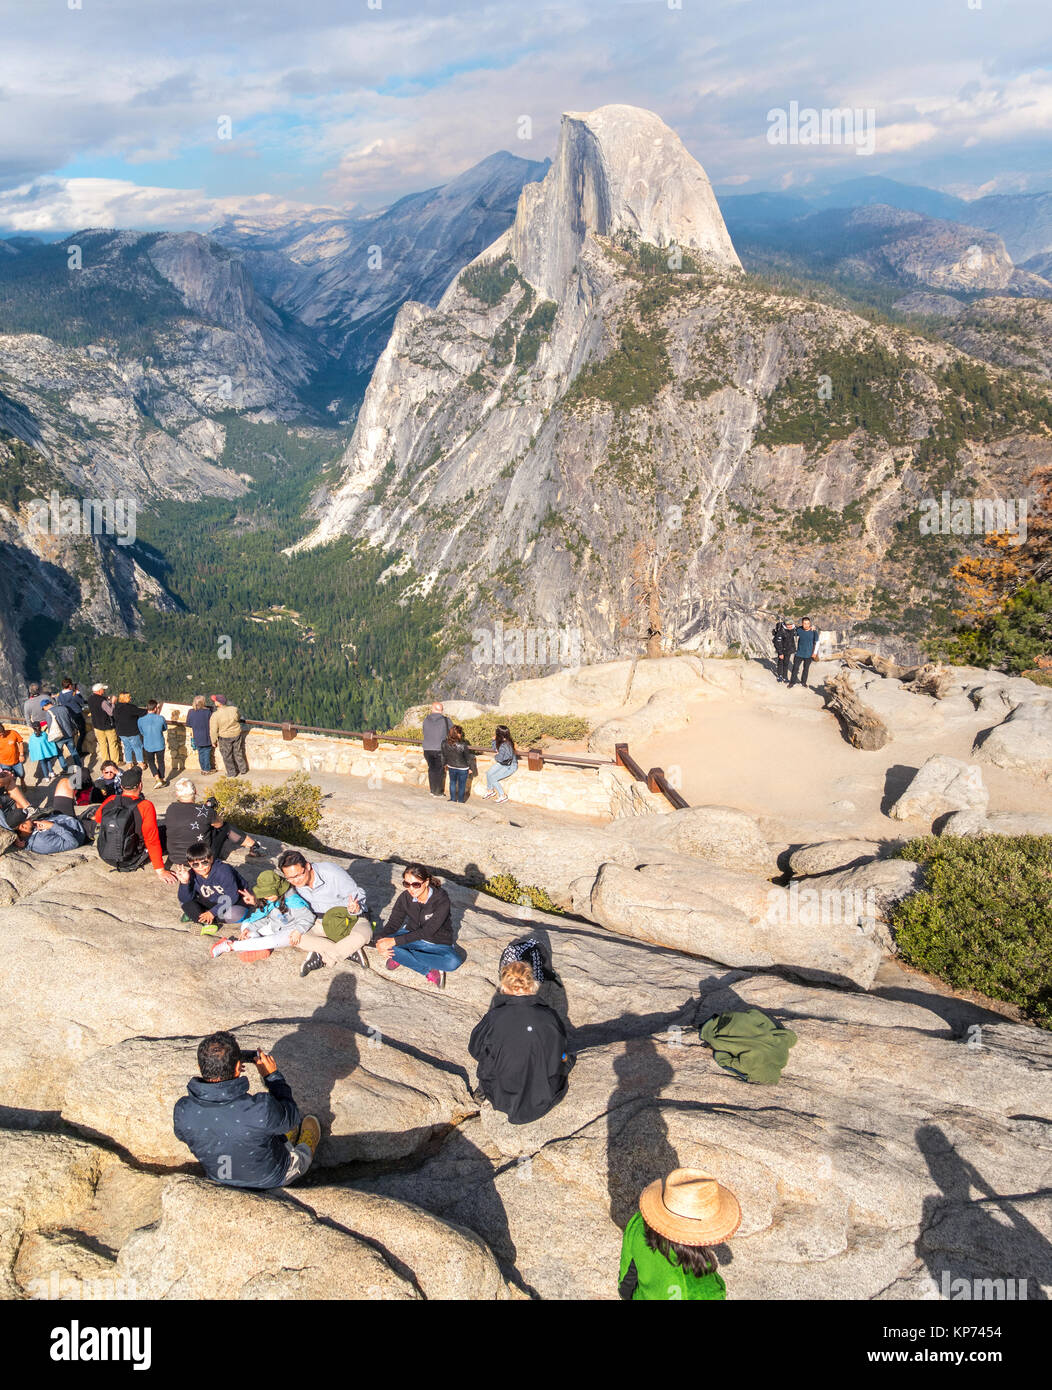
[152,726]
[806,643]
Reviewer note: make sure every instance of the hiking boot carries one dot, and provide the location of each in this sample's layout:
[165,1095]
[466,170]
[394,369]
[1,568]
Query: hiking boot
[310,1132]
[313,962]
[436,977]
[359,958]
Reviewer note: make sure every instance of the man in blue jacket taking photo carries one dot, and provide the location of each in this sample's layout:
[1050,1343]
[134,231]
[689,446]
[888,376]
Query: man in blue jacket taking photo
[241,1140]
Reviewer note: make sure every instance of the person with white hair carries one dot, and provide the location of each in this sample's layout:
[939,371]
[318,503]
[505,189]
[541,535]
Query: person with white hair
[436,726]
[188,820]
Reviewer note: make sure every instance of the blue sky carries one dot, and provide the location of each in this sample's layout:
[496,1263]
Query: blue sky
[110,112]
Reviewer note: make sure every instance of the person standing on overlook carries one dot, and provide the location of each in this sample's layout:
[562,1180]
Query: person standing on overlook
[107,747]
[784,636]
[806,645]
[198,721]
[436,727]
[226,730]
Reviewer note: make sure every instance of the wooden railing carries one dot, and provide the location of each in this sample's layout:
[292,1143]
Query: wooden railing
[370,740]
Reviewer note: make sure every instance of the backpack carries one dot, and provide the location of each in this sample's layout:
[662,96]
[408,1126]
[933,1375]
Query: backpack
[86,820]
[119,843]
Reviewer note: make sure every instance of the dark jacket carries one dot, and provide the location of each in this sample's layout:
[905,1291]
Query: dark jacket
[99,718]
[220,889]
[428,921]
[185,822]
[806,641]
[238,1139]
[126,718]
[73,700]
[519,1047]
[436,726]
[784,639]
[197,721]
[457,753]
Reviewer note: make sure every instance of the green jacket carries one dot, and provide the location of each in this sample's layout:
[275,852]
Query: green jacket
[660,1279]
[750,1043]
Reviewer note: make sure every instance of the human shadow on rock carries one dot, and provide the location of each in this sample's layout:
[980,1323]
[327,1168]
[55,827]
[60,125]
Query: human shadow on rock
[976,1238]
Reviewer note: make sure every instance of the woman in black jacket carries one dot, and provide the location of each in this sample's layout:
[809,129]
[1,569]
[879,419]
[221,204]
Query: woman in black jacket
[520,1048]
[459,761]
[420,928]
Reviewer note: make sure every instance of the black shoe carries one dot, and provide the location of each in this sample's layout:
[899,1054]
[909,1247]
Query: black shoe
[257,852]
[313,962]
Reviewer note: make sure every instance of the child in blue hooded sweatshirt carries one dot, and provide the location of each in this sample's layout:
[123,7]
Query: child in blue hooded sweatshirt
[281,914]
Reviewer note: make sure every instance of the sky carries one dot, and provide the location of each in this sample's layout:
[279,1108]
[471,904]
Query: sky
[178,113]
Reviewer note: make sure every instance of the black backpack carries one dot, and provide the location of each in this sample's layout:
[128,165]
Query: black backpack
[118,840]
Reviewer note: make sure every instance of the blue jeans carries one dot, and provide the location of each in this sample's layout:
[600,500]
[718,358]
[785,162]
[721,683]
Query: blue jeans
[423,956]
[44,767]
[19,769]
[66,748]
[458,783]
[132,747]
[204,757]
[497,773]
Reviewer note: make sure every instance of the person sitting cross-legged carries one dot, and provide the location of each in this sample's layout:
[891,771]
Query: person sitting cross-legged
[420,928]
[211,892]
[281,918]
[241,1140]
[341,928]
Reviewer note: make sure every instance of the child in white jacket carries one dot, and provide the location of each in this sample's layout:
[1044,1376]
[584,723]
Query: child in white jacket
[281,914]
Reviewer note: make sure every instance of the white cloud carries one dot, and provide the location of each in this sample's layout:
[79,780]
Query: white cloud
[61,205]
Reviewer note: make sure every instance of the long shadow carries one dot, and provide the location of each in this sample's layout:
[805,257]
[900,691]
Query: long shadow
[1012,1247]
[323,1049]
[638,1149]
[896,780]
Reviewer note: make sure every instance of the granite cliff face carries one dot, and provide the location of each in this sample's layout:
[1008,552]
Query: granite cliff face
[603,395]
[346,277]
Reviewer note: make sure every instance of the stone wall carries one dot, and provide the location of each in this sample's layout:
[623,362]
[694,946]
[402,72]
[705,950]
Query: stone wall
[606,792]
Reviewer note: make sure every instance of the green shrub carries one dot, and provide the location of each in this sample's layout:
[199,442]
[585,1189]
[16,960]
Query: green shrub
[489,281]
[526,729]
[290,812]
[631,375]
[1011,640]
[510,890]
[984,919]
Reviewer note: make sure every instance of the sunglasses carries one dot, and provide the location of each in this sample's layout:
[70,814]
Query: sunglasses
[196,863]
[412,883]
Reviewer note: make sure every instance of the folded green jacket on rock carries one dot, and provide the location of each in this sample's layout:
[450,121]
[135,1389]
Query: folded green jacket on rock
[750,1043]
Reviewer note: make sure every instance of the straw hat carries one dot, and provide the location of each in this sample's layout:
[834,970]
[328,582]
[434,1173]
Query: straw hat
[691,1208]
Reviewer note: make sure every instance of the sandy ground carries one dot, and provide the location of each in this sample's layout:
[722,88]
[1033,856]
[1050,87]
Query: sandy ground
[754,753]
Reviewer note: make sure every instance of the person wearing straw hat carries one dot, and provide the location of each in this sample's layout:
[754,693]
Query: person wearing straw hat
[666,1252]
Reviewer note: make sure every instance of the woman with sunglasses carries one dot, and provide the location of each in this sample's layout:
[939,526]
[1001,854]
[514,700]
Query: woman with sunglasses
[420,929]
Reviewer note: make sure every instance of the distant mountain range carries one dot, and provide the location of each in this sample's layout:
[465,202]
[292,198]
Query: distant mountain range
[1022,220]
[528,415]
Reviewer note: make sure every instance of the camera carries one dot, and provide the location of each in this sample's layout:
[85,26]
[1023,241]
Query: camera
[252,1056]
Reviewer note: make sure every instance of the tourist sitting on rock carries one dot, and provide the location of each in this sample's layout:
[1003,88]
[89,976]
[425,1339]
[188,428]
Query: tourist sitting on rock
[12,753]
[505,763]
[188,820]
[420,928]
[108,783]
[12,798]
[281,919]
[210,892]
[128,833]
[341,928]
[239,1139]
[666,1253]
[521,1049]
[46,835]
